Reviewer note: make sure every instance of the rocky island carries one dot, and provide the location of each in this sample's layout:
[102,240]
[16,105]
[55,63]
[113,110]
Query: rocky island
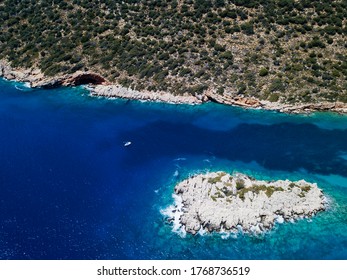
[221,202]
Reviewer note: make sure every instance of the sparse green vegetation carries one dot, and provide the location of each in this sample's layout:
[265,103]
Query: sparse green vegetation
[263,72]
[269,190]
[240,184]
[217,178]
[187,46]
[227,191]
[306,188]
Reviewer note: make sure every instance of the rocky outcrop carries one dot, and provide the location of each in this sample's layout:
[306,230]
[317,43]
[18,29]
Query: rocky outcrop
[338,107]
[222,202]
[30,75]
[234,100]
[38,80]
[79,78]
[112,91]
[251,102]
[84,78]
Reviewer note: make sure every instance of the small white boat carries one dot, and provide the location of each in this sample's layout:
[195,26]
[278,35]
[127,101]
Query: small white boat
[126,144]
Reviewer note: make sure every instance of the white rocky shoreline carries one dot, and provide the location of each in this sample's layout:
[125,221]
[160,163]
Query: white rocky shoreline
[224,203]
[101,87]
[117,91]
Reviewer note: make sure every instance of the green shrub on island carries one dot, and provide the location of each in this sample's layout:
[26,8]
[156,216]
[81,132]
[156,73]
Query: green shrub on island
[263,72]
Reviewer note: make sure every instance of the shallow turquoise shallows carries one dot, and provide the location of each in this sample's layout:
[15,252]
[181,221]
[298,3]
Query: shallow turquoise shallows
[71,188]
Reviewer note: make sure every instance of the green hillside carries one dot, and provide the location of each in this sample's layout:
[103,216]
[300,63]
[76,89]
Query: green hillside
[287,50]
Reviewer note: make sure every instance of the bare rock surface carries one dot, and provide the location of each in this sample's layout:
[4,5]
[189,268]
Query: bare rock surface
[122,92]
[222,202]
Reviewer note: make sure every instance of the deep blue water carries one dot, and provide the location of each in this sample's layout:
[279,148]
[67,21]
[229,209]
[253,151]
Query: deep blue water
[69,189]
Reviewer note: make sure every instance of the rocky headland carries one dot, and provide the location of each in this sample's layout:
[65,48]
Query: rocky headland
[222,202]
[99,86]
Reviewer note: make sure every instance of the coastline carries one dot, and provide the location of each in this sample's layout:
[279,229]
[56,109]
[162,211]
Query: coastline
[103,88]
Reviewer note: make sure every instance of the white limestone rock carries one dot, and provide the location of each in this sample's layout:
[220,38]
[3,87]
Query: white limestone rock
[219,201]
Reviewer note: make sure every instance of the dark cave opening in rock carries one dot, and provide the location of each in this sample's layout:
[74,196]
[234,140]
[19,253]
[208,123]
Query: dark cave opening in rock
[87,79]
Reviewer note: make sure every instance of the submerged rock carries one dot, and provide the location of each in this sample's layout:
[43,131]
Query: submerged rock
[222,202]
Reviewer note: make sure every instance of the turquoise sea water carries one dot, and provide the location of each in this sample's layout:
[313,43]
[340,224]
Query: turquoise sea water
[71,190]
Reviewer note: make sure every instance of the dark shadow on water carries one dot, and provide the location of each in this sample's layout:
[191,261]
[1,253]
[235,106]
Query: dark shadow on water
[285,146]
